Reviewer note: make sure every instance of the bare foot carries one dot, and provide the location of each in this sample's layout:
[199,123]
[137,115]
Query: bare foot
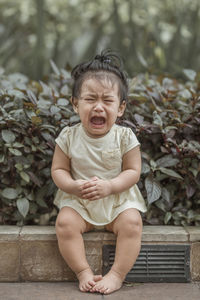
[87,280]
[110,283]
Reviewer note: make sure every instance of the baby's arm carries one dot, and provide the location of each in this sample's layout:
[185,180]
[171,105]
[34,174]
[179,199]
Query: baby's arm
[131,168]
[60,172]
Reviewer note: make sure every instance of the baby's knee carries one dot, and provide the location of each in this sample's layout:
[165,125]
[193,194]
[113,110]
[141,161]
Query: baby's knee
[132,224]
[64,226]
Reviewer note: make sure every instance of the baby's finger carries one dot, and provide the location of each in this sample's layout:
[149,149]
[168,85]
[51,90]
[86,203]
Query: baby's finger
[90,195]
[88,189]
[94,178]
[89,184]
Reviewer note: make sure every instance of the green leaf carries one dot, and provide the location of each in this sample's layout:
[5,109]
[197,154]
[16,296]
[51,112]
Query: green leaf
[153,189]
[2,157]
[23,206]
[64,91]
[185,94]
[31,96]
[18,77]
[63,102]
[178,215]
[153,165]
[16,93]
[142,60]
[41,202]
[190,74]
[46,91]
[24,176]
[166,194]
[197,218]
[19,167]
[41,195]
[54,67]
[167,161]
[74,118]
[167,218]
[9,193]
[160,204]
[35,179]
[157,119]
[170,172]
[18,145]
[139,119]
[145,168]
[15,152]
[8,136]
[194,171]
[54,109]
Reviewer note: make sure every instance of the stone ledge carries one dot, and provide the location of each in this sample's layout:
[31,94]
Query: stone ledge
[150,234]
[193,233]
[31,253]
[9,233]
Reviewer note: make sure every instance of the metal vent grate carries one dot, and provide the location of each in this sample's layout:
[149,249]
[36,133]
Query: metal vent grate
[155,263]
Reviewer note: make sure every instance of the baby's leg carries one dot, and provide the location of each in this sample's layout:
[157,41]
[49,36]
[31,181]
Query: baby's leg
[69,229]
[128,228]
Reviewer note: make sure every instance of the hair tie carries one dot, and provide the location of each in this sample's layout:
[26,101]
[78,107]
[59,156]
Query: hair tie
[103,59]
[98,57]
[107,60]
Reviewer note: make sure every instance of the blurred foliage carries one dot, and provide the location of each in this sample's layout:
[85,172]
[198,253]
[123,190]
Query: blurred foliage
[164,113]
[152,35]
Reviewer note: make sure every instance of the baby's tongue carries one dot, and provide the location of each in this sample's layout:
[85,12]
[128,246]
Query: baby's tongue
[98,120]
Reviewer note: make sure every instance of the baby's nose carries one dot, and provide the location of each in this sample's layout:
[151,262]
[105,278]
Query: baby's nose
[98,106]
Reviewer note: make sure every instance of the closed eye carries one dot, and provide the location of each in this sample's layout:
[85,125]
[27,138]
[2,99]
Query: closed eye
[108,100]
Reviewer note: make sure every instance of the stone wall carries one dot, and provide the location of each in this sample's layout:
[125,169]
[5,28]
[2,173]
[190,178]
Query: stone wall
[31,253]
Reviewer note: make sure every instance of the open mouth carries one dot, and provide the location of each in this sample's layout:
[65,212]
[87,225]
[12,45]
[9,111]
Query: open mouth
[98,121]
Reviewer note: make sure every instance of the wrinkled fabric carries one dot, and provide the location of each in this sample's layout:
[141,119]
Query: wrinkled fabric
[101,157]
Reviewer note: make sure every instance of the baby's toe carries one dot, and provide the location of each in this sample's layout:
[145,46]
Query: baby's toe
[97,277]
[107,291]
[85,287]
[91,283]
[88,287]
[98,288]
[81,288]
[103,290]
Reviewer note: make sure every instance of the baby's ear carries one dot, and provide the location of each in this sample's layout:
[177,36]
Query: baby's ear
[74,102]
[122,108]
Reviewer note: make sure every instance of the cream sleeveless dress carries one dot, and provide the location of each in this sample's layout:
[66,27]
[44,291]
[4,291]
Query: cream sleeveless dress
[101,157]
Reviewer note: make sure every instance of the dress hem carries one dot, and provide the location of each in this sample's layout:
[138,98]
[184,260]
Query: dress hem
[103,224]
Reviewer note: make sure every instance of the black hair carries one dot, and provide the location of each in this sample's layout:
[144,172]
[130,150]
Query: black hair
[106,65]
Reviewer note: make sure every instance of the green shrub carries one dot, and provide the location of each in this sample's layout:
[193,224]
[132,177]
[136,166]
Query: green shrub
[32,115]
[164,113]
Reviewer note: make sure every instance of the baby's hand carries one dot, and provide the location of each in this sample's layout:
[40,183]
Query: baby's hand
[96,189]
[78,187]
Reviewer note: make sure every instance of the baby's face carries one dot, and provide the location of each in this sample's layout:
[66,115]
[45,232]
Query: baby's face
[98,106]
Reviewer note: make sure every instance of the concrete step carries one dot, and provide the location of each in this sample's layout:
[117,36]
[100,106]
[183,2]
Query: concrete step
[30,253]
[70,291]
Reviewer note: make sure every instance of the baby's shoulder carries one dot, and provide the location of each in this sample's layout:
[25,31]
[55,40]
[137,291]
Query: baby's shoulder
[70,130]
[126,138]
[123,131]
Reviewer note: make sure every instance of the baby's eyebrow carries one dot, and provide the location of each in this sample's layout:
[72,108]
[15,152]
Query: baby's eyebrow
[108,95]
[90,94]
[95,94]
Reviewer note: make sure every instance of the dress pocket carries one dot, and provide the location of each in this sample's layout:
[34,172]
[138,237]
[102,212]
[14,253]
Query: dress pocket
[112,158]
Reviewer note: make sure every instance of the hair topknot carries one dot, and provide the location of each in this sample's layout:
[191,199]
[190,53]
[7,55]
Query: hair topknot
[107,61]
